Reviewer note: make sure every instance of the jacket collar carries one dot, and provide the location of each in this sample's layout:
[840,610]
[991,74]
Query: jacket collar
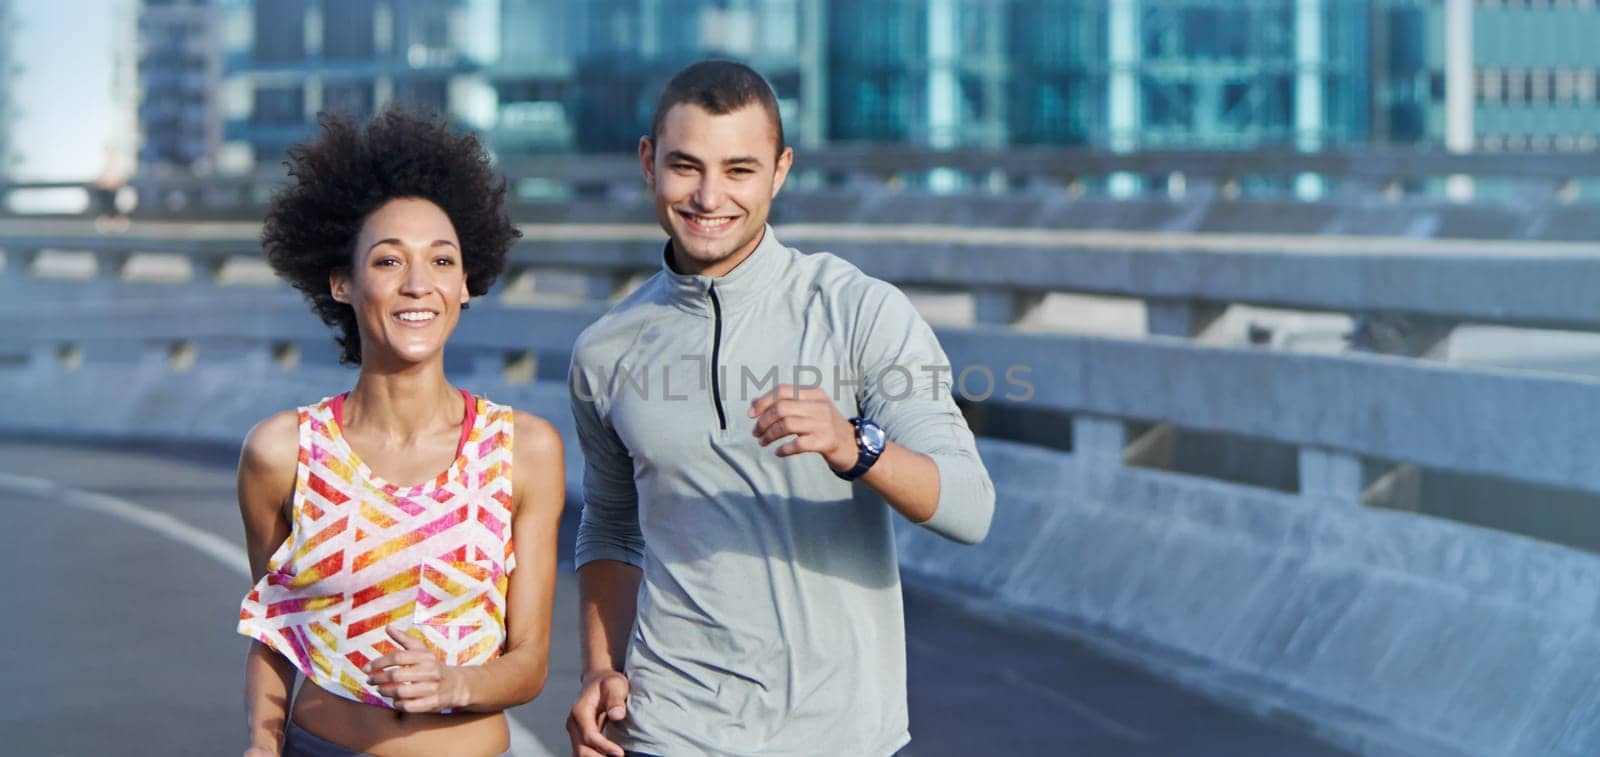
[748,282]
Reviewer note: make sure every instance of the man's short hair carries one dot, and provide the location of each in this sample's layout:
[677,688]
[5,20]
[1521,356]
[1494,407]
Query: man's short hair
[721,87]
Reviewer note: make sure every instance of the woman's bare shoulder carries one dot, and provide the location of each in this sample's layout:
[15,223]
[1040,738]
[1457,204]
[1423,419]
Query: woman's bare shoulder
[538,459]
[271,450]
[535,435]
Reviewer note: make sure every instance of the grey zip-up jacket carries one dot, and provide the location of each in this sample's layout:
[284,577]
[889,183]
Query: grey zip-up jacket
[769,618]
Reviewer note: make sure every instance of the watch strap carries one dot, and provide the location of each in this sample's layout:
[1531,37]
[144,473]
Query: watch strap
[864,457]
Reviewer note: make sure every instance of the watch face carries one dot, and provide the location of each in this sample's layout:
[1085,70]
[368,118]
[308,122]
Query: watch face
[870,436]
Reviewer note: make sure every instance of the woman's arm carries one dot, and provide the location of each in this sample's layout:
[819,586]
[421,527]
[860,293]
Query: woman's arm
[268,679]
[266,483]
[539,485]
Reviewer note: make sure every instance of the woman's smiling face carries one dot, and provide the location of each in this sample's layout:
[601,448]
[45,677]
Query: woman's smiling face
[406,283]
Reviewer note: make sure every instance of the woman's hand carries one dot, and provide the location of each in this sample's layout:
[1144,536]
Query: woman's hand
[415,679]
[260,751]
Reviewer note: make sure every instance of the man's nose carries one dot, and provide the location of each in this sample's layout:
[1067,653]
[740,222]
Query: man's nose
[708,195]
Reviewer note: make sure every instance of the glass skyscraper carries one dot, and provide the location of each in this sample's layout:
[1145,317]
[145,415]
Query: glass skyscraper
[286,60]
[1536,75]
[584,74]
[180,68]
[581,75]
[8,72]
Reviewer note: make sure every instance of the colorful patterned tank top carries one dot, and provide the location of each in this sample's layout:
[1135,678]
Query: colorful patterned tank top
[363,553]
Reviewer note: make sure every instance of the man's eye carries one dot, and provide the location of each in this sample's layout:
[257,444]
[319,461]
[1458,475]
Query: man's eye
[444,261]
[386,262]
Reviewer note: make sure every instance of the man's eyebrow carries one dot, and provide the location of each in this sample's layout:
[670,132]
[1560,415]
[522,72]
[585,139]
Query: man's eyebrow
[742,160]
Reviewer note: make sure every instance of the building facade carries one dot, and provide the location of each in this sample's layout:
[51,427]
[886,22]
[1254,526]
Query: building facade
[539,76]
[584,74]
[1536,75]
[179,71]
[8,72]
[287,60]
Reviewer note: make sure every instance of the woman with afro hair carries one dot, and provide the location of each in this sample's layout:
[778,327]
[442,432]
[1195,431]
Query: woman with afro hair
[402,535]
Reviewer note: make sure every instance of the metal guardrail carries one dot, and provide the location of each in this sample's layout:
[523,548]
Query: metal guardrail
[1441,281]
[1338,409]
[1393,173]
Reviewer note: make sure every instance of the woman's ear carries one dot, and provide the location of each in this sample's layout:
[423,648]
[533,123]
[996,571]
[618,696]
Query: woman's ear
[339,286]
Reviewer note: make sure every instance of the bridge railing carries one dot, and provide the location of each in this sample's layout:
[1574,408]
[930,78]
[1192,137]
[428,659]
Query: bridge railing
[1335,408]
[1293,587]
[1393,174]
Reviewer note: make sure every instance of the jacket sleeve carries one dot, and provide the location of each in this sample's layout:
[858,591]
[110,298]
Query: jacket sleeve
[906,389]
[609,526]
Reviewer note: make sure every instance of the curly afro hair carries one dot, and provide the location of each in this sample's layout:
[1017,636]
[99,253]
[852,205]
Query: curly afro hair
[351,170]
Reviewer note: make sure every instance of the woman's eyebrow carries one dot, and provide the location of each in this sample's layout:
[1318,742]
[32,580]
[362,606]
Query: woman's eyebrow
[396,241]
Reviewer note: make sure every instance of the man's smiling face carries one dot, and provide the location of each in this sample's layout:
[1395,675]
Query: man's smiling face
[714,178]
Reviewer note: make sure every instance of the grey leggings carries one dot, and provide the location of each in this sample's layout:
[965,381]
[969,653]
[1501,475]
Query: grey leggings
[298,742]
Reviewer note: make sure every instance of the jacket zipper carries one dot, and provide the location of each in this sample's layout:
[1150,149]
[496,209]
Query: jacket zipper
[716,351]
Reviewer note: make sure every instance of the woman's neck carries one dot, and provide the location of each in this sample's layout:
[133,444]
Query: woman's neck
[403,404]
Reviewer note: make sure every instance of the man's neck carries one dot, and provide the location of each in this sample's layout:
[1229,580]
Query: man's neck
[716,269]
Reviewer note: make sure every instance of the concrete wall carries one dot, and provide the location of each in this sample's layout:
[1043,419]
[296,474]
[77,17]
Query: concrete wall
[1388,631]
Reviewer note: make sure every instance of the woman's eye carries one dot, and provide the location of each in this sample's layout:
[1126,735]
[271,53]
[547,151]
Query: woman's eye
[386,262]
[444,261]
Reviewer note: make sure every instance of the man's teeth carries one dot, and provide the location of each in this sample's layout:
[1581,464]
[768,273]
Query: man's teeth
[711,221]
[416,316]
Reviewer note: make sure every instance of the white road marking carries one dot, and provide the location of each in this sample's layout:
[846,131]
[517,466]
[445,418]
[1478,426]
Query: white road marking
[523,742]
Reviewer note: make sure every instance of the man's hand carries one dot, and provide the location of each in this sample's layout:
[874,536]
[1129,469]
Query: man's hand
[810,417]
[604,697]
[415,678]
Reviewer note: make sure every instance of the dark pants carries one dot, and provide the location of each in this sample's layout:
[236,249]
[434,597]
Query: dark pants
[298,742]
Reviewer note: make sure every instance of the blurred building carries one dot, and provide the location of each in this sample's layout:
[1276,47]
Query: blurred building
[287,60]
[584,74]
[180,68]
[534,77]
[581,75]
[1536,75]
[8,72]
[1121,74]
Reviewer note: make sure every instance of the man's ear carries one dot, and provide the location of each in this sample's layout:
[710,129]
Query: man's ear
[647,161]
[785,161]
[339,286]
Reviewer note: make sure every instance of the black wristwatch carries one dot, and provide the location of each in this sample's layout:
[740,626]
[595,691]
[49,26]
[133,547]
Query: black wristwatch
[869,445]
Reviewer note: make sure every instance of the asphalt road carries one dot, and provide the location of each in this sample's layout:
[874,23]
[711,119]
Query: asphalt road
[125,569]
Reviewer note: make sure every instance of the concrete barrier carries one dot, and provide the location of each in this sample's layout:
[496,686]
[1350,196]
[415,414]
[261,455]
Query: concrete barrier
[1386,631]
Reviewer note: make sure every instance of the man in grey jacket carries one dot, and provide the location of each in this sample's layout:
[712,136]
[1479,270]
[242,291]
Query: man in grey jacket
[736,596]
